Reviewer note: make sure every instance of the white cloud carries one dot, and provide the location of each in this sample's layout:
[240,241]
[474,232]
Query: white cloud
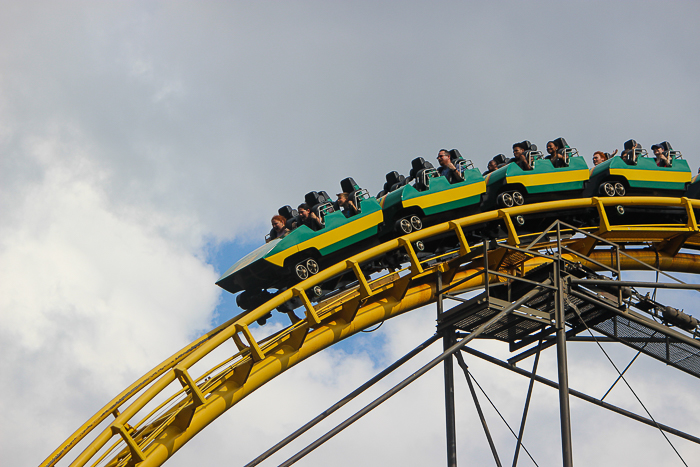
[88,298]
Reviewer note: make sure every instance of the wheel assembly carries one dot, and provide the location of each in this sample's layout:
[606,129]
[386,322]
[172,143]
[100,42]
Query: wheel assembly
[312,266]
[404,226]
[416,223]
[619,189]
[607,189]
[518,198]
[301,271]
[506,200]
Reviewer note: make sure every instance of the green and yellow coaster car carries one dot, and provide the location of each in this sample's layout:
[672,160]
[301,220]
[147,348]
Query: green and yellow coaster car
[618,177]
[303,252]
[431,200]
[512,186]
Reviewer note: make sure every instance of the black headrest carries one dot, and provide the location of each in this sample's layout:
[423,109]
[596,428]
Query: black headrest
[393,177]
[313,198]
[525,145]
[631,144]
[666,146]
[454,154]
[324,198]
[500,159]
[561,143]
[348,185]
[287,212]
[419,164]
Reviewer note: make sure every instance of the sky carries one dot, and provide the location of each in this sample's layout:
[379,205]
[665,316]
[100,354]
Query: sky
[145,145]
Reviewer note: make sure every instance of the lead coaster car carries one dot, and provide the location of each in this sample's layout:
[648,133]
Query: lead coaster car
[281,263]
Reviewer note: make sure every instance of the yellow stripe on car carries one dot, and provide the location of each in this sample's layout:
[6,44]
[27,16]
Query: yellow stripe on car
[653,175]
[546,178]
[446,196]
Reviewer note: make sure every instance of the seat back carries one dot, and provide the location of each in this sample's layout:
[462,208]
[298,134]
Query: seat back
[319,203]
[454,155]
[394,180]
[531,152]
[632,152]
[564,150]
[355,193]
[348,185]
[287,212]
[670,152]
[421,173]
[291,215]
[500,160]
[418,164]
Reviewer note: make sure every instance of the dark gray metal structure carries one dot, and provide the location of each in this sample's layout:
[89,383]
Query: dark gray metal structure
[564,300]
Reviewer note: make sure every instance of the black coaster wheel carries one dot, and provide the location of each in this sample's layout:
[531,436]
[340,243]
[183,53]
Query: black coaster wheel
[607,189]
[619,189]
[312,266]
[416,223]
[518,198]
[505,200]
[403,226]
[301,271]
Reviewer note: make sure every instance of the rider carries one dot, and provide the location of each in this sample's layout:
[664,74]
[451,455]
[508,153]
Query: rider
[279,227]
[447,169]
[519,157]
[662,157]
[344,201]
[308,218]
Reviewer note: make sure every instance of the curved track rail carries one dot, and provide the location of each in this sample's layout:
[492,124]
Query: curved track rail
[127,432]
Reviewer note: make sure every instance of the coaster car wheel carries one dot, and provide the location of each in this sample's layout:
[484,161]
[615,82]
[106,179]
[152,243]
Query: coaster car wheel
[403,226]
[607,189]
[416,223]
[312,266]
[518,198]
[619,189]
[505,200]
[301,271]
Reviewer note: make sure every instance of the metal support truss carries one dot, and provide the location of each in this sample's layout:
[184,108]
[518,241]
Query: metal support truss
[573,299]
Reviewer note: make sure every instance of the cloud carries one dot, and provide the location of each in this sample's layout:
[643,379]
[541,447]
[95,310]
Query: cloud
[90,294]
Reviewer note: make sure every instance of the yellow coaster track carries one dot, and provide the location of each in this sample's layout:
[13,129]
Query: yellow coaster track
[136,435]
